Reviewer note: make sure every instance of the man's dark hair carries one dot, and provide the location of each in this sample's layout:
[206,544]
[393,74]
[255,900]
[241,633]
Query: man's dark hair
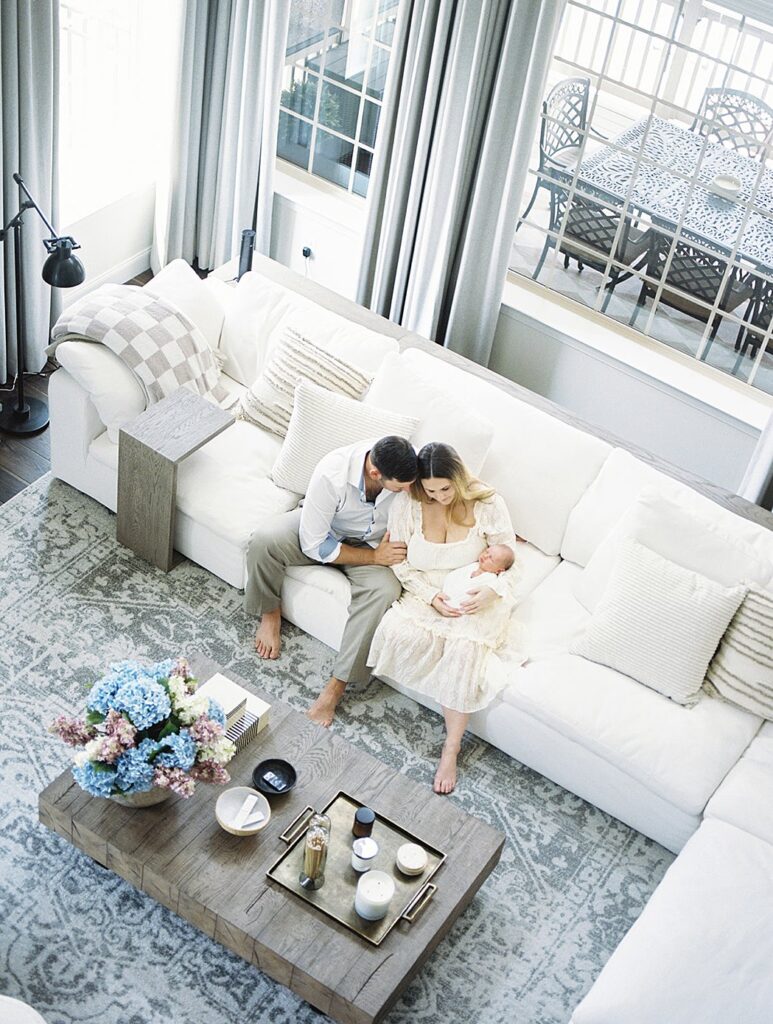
[394,458]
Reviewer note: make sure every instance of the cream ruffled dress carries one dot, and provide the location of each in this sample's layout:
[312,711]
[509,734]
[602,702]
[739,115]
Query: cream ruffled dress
[448,659]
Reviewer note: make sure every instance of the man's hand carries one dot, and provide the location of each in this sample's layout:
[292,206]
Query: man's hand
[477,599]
[440,604]
[388,552]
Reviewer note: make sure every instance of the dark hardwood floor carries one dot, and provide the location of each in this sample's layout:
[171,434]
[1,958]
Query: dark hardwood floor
[24,459]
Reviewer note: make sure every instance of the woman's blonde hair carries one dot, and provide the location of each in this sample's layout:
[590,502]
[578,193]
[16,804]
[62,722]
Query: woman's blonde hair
[441,462]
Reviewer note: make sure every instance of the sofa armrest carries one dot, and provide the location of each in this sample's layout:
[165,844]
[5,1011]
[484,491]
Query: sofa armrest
[74,425]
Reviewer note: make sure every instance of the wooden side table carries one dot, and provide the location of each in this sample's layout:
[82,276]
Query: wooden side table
[150,448]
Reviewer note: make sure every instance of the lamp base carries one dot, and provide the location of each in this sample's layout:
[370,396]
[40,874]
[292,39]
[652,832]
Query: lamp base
[32,416]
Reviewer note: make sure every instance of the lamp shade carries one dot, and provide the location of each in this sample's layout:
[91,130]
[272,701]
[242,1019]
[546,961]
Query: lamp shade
[62,268]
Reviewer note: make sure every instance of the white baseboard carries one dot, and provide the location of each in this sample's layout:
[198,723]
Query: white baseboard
[119,274]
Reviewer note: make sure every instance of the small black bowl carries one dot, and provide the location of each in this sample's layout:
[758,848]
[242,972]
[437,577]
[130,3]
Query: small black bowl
[274,777]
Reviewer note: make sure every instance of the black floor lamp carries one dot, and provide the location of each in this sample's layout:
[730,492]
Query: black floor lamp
[61,269]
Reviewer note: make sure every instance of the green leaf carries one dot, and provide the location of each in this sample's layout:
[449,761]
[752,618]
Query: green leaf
[94,718]
[100,766]
[172,726]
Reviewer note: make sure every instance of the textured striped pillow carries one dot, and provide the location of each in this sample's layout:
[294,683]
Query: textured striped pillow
[321,422]
[269,402]
[742,668]
[659,623]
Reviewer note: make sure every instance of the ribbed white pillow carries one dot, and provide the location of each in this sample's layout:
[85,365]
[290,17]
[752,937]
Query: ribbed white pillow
[269,402]
[659,623]
[742,669]
[321,422]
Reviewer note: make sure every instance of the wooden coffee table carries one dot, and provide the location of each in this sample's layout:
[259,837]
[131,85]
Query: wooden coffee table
[177,853]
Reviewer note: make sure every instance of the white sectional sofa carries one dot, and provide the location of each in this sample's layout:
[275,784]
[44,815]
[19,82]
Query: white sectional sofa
[648,761]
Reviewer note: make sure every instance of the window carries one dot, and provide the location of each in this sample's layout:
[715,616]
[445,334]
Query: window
[333,87]
[653,177]
[117,80]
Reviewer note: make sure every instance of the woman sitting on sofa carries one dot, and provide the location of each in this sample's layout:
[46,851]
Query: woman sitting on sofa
[425,641]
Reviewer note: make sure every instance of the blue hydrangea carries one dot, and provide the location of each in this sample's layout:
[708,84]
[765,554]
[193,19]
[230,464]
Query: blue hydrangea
[181,753]
[134,771]
[216,712]
[95,781]
[102,694]
[144,701]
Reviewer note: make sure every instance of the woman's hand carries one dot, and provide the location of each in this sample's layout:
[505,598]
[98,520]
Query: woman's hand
[441,605]
[477,600]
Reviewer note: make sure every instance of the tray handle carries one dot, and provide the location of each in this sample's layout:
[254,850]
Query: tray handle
[419,902]
[297,825]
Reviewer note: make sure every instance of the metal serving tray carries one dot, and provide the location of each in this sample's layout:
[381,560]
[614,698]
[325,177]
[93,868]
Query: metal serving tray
[336,897]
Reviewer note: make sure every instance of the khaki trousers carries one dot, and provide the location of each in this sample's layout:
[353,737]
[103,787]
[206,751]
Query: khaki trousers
[274,546]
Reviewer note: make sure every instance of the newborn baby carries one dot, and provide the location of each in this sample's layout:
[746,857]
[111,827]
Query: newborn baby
[459,582]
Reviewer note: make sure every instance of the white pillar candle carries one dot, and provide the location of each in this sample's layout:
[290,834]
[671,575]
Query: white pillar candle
[374,893]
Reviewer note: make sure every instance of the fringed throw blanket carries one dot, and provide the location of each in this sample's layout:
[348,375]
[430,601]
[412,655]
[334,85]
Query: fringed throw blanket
[162,347]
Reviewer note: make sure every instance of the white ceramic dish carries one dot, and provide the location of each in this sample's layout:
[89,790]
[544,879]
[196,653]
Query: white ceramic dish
[230,802]
[726,186]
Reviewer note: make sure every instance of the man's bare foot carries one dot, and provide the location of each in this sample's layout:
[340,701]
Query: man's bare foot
[445,776]
[323,710]
[268,641]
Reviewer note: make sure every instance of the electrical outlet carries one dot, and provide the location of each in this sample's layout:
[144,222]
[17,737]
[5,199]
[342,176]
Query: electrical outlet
[306,252]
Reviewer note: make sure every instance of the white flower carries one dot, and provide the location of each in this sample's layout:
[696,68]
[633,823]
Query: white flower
[220,750]
[178,692]
[193,707]
[92,750]
[81,757]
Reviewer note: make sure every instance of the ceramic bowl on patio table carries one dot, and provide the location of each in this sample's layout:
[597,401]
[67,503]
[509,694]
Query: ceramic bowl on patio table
[725,185]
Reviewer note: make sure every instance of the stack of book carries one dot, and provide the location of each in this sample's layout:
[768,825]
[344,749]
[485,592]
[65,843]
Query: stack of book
[245,714]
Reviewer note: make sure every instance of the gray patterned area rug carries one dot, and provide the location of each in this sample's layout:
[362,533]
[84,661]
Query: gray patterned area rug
[82,946]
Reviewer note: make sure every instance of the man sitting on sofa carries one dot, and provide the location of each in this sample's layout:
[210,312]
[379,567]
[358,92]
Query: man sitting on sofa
[341,522]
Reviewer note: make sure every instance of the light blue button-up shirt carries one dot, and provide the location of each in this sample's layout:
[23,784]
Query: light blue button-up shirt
[336,508]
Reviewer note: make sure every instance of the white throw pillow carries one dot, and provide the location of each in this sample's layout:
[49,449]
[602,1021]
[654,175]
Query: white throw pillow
[662,524]
[659,623]
[350,341]
[442,417]
[321,422]
[742,669]
[183,289]
[114,390]
[268,404]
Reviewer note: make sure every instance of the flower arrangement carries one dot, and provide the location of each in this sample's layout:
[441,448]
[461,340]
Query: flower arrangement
[145,726]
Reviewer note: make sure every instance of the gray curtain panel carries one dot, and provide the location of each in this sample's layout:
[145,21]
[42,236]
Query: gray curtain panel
[757,483]
[464,90]
[227,117]
[29,116]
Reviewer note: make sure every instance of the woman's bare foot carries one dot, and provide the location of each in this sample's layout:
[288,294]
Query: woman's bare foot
[445,776]
[323,710]
[268,640]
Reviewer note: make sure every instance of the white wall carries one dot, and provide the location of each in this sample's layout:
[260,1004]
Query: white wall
[115,241]
[614,396]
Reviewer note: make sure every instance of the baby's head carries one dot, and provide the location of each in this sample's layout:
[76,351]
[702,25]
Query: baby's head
[496,558]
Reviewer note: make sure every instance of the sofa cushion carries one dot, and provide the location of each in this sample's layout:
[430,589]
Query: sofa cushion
[532,567]
[351,342]
[658,623]
[701,951]
[442,417]
[624,478]
[321,422]
[681,754]
[225,485]
[551,616]
[257,307]
[540,465]
[664,525]
[745,798]
[115,391]
[183,289]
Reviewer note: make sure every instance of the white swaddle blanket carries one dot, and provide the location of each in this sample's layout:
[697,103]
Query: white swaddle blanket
[459,582]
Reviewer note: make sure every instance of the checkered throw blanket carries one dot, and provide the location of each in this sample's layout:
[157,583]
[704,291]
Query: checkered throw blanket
[162,347]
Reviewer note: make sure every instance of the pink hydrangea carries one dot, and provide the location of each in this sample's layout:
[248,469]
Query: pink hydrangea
[106,749]
[119,728]
[175,779]
[210,771]
[205,730]
[72,731]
